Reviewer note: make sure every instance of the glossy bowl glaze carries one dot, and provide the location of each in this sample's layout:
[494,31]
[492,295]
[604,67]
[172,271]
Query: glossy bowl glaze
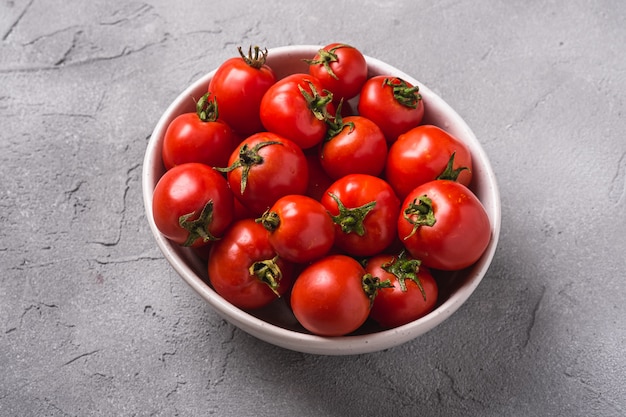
[276,324]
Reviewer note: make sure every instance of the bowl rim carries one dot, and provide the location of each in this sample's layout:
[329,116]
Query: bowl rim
[291,339]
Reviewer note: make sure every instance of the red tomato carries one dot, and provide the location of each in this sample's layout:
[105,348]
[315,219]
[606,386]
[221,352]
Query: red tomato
[300,228]
[443,224]
[329,297]
[424,154]
[296,107]
[413,292]
[319,180]
[239,84]
[341,69]
[240,211]
[356,146]
[192,204]
[264,168]
[199,137]
[245,270]
[365,211]
[395,105]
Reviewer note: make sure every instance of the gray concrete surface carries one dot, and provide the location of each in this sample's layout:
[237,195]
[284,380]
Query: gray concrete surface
[94,322]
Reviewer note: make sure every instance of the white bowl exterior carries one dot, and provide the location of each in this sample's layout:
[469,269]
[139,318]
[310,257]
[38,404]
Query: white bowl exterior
[284,61]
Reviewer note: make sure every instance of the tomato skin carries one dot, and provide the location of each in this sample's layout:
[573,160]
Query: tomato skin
[240,211]
[328,298]
[394,307]
[380,223]
[189,139]
[285,111]
[357,149]
[377,103]
[300,228]
[319,180]
[283,170]
[349,68]
[186,189]
[245,243]
[461,233]
[240,87]
[421,155]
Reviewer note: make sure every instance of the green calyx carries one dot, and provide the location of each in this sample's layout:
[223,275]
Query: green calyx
[351,219]
[268,272]
[256,60]
[336,124]
[372,284]
[206,108]
[405,268]
[316,102]
[326,57]
[199,227]
[403,93]
[419,213]
[270,220]
[248,157]
[449,173]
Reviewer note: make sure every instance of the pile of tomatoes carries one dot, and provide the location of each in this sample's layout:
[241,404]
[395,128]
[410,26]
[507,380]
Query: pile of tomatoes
[323,188]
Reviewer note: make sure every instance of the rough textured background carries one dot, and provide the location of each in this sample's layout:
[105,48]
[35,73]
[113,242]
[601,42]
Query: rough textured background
[93,321]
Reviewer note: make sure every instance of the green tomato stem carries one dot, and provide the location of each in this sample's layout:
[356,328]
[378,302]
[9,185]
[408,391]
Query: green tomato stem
[405,95]
[405,268]
[248,157]
[206,108]
[326,57]
[255,61]
[372,284]
[316,102]
[270,220]
[336,124]
[420,213]
[198,228]
[449,173]
[351,219]
[268,272]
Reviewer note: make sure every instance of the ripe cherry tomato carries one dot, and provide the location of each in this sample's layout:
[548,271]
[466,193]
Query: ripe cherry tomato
[355,145]
[192,204]
[331,297]
[264,168]
[245,270]
[412,294]
[297,107]
[199,137]
[365,211]
[426,153]
[239,85]
[341,69]
[240,211]
[443,224]
[319,180]
[300,228]
[395,105]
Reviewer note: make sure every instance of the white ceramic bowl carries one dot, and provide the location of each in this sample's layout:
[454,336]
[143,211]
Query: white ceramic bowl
[276,323]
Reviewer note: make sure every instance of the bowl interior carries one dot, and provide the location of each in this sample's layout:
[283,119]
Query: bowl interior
[276,324]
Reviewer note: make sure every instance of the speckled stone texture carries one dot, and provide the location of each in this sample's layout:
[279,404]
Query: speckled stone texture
[94,322]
